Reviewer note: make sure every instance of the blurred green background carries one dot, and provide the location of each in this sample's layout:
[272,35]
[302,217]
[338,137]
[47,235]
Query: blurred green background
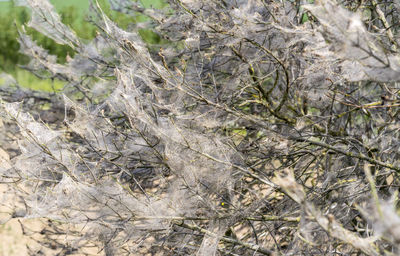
[73,13]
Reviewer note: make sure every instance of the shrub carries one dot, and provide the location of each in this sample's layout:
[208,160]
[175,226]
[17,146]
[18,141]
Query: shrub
[262,128]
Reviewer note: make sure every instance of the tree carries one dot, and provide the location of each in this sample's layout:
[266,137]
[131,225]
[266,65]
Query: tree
[261,127]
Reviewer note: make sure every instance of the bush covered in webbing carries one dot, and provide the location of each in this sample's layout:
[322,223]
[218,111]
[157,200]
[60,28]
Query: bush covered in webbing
[260,128]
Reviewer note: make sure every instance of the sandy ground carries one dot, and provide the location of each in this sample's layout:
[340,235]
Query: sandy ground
[12,241]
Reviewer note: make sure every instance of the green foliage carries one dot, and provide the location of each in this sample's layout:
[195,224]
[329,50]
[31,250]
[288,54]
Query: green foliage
[28,80]
[73,13]
[9,55]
